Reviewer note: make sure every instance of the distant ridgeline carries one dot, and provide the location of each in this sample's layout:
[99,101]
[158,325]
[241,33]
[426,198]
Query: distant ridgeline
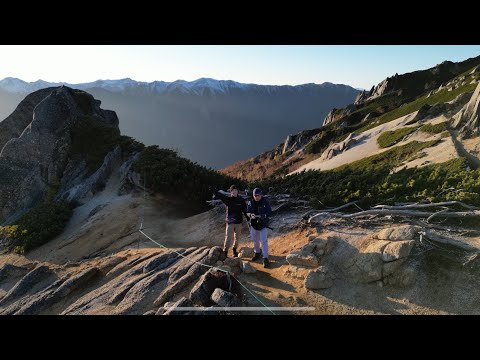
[198,117]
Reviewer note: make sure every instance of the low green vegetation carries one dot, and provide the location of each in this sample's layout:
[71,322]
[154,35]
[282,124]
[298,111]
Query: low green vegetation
[36,227]
[323,139]
[281,171]
[371,180]
[129,146]
[391,137]
[434,129]
[93,140]
[445,134]
[167,173]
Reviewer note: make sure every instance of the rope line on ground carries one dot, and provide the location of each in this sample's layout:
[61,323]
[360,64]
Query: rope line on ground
[208,266]
[193,261]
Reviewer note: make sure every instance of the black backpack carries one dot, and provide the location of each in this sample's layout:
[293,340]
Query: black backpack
[256,223]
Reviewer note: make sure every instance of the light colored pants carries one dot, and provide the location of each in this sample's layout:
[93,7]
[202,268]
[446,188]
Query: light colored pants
[257,236]
[232,230]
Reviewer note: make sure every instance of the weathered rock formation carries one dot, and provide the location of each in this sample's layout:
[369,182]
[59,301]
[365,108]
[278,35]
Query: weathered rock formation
[361,97]
[337,148]
[467,119]
[36,140]
[336,114]
[298,141]
[121,285]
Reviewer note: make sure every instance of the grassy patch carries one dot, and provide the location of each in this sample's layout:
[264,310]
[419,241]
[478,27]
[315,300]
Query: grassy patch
[434,129]
[391,137]
[37,226]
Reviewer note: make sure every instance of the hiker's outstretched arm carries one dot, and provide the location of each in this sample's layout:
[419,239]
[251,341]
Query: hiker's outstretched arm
[220,196]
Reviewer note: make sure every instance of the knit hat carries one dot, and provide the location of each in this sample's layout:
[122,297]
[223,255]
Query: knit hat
[257,191]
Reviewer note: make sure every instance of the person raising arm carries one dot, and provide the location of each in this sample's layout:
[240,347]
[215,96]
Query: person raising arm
[234,218]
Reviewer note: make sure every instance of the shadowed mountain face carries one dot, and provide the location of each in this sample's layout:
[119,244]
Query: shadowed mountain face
[214,123]
[36,145]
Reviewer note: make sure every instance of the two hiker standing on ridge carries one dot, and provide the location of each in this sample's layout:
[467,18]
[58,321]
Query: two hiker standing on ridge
[258,212]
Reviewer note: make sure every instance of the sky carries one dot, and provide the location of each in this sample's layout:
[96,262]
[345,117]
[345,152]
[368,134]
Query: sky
[357,65]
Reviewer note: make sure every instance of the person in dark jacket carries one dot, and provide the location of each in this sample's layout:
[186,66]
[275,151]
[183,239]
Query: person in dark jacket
[259,211]
[235,209]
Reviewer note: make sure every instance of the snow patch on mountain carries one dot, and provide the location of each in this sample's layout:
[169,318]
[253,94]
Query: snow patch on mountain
[200,86]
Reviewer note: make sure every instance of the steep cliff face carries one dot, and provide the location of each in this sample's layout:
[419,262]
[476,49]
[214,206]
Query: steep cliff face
[36,140]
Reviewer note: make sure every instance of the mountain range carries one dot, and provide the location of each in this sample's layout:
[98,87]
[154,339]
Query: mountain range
[213,122]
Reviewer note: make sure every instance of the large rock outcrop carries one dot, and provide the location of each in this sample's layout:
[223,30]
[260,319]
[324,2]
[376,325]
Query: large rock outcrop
[467,119]
[32,158]
[386,86]
[337,114]
[361,97]
[337,148]
[125,284]
[381,259]
[298,141]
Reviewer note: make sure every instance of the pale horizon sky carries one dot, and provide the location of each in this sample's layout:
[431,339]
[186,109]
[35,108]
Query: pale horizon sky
[360,66]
